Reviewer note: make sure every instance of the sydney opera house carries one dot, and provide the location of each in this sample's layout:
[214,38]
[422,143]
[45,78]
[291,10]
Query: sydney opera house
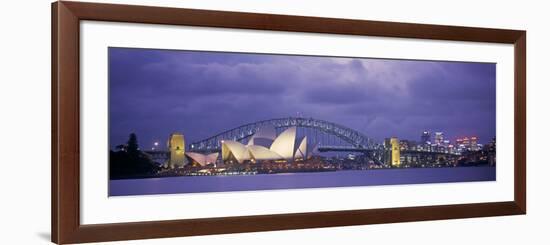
[266,145]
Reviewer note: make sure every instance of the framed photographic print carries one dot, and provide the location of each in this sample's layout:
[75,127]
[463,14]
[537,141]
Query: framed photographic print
[177,122]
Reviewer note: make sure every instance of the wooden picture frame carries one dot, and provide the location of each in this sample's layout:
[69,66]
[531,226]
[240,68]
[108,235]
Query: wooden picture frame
[65,175]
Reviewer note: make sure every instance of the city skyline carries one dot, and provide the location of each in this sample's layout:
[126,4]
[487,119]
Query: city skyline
[156,92]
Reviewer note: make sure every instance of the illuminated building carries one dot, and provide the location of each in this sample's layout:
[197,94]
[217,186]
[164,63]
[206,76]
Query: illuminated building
[438,138]
[407,145]
[176,146]
[459,141]
[468,143]
[202,159]
[451,149]
[260,153]
[233,150]
[284,143]
[282,147]
[464,141]
[425,138]
[473,143]
[393,154]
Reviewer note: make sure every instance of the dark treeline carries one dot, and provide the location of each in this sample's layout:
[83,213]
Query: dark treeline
[128,161]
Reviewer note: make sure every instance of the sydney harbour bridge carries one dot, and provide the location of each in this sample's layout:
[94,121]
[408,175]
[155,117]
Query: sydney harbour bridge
[327,135]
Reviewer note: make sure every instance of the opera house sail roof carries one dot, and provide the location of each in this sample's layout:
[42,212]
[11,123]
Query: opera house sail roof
[281,147]
[203,159]
[301,150]
[284,143]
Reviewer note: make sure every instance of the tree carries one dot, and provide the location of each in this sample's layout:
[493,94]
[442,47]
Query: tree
[133,148]
[131,163]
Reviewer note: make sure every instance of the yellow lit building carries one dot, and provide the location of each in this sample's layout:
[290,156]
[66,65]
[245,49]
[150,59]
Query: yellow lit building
[393,153]
[176,146]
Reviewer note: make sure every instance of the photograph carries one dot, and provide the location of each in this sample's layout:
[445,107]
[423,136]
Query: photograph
[285,122]
[183,121]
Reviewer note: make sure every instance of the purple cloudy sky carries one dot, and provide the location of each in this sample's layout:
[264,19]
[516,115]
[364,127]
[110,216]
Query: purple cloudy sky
[156,92]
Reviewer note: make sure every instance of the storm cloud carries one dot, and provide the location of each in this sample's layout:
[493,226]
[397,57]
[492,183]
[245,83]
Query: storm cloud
[156,92]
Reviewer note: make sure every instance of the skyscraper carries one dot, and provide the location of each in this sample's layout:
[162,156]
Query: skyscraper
[425,137]
[473,143]
[438,138]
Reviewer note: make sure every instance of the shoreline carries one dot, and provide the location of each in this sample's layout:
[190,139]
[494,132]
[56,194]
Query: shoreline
[135,177]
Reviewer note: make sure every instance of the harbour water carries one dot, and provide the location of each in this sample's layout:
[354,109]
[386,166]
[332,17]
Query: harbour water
[198,184]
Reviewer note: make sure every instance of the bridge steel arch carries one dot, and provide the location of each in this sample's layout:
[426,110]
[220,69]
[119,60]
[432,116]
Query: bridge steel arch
[240,133]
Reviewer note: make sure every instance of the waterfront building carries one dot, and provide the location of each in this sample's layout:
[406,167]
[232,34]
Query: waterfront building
[393,152]
[284,144]
[283,147]
[233,150]
[176,148]
[202,159]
